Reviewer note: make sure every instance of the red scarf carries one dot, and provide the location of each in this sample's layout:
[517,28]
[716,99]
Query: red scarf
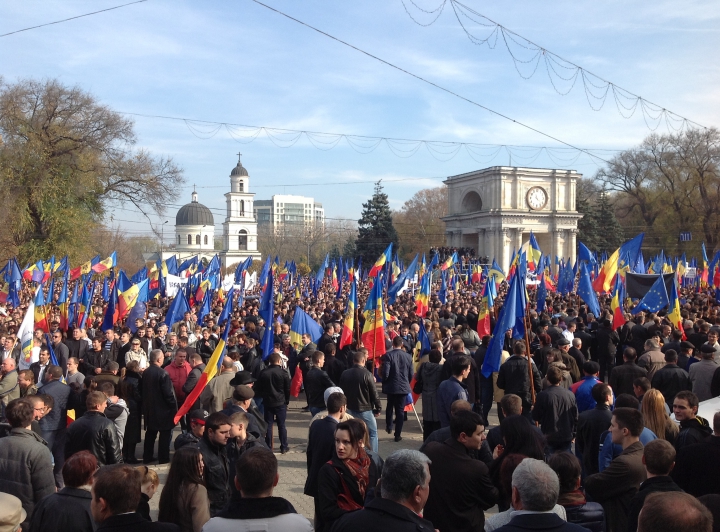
[359,468]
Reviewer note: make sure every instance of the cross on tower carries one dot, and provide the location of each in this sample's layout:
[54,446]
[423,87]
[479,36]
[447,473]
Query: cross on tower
[239,155]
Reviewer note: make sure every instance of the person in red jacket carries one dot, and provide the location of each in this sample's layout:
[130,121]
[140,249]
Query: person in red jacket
[178,370]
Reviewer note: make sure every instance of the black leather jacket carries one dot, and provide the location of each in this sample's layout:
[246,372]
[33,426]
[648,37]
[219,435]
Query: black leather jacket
[359,388]
[95,433]
[217,479]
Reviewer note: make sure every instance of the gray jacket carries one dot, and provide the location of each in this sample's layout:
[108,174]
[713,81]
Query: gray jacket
[26,469]
[9,388]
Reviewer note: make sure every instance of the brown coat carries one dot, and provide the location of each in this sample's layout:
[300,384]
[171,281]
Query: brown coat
[615,486]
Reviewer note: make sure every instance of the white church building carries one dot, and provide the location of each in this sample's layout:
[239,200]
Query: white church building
[195,226]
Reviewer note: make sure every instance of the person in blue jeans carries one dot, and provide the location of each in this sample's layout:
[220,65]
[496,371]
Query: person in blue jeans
[363,402]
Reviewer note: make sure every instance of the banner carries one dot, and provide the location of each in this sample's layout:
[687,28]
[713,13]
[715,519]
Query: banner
[638,284]
[250,281]
[173,283]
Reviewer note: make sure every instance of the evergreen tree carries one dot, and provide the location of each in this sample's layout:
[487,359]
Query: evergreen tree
[609,231]
[587,225]
[375,227]
[599,228]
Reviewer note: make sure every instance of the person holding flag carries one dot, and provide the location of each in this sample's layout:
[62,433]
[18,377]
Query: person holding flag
[212,368]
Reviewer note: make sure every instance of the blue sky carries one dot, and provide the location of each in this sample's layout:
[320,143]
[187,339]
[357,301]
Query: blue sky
[238,62]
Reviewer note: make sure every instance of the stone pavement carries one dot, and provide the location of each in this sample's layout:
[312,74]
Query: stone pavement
[293,464]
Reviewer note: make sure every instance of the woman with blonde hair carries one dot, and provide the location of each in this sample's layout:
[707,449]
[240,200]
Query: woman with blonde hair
[655,416]
[435,334]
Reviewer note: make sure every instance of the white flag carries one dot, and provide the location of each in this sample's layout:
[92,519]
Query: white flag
[25,335]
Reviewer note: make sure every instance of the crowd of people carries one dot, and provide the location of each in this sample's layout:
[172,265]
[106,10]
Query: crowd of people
[585,435]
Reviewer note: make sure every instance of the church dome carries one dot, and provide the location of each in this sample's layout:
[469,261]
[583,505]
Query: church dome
[194,213]
[239,170]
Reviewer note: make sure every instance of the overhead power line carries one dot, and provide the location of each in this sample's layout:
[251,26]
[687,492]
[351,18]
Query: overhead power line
[431,83]
[72,18]
[563,73]
[441,150]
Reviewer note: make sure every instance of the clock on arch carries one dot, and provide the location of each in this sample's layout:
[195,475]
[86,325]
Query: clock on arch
[536,198]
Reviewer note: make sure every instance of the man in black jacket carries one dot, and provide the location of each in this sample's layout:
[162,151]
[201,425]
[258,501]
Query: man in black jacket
[622,376]
[53,425]
[607,341]
[659,459]
[77,346]
[473,379]
[95,433]
[695,462]
[671,379]
[397,372]
[333,365]
[513,377]
[557,413]
[274,388]
[217,473]
[591,425]
[159,408]
[363,401]
[460,487]
[96,360]
[193,377]
[326,338]
[693,428]
[316,382]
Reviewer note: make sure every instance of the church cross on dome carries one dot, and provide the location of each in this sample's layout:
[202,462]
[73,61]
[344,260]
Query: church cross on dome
[239,155]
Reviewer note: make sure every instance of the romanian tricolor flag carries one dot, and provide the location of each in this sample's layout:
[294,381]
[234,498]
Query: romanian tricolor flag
[449,262]
[486,308]
[373,334]
[616,305]
[211,369]
[422,301]
[201,291]
[335,283]
[385,257]
[533,253]
[513,265]
[704,275]
[607,273]
[395,273]
[476,273]
[674,310]
[348,330]
[40,317]
[106,264]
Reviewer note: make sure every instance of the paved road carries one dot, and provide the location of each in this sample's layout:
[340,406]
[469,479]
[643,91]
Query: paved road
[293,464]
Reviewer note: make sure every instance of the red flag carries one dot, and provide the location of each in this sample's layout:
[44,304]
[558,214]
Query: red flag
[296,383]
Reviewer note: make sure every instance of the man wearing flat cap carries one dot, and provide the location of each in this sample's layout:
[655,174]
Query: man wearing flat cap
[240,402]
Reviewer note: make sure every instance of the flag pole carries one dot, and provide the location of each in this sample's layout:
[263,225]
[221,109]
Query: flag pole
[529,355]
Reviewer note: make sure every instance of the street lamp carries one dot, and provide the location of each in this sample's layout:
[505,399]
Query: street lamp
[162,238]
